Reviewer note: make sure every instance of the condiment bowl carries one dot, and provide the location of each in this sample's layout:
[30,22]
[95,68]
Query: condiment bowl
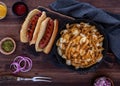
[103,81]
[20,9]
[3,10]
[7,46]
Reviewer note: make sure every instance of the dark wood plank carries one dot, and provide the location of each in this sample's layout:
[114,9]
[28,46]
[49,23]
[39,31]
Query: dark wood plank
[44,64]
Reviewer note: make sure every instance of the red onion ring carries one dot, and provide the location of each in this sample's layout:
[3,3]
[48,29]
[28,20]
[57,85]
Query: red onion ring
[19,60]
[26,64]
[15,66]
[27,68]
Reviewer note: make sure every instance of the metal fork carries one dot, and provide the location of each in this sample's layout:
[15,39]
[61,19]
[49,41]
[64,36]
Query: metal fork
[35,79]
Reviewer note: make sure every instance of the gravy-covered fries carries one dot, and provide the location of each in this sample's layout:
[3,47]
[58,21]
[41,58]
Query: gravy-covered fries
[80,45]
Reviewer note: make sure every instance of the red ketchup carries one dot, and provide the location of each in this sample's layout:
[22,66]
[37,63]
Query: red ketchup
[20,9]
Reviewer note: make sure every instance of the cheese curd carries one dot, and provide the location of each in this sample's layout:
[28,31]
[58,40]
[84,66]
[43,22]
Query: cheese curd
[83,40]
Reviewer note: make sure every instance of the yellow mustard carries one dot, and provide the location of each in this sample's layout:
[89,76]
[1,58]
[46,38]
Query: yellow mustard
[3,10]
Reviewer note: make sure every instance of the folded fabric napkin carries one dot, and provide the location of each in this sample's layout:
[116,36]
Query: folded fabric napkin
[110,22]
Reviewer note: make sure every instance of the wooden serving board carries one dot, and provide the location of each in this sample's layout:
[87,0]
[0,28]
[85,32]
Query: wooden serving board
[47,65]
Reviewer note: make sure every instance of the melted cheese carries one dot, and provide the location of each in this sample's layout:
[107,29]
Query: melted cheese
[83,40]
[65,31]
[83,35]
[68,62]
[59,51]
[86,25]
[75,32]
[60,45]
[62,40]
[97,44]
[64,56]
[94,36]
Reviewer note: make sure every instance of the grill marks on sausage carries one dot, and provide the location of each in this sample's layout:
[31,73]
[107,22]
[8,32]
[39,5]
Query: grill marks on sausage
[32,25]
[47,35]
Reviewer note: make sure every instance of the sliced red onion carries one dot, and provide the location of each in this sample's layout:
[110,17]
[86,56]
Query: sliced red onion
[19,60]
[24,61]
[15,66]
[28,65]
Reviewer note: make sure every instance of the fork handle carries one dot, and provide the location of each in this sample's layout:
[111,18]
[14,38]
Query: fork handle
[25,79]
[42,80]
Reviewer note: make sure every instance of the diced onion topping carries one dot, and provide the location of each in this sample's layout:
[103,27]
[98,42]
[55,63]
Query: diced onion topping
[102,81]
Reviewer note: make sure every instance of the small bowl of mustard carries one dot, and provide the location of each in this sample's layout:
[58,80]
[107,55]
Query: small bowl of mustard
[3,10]
[7,46]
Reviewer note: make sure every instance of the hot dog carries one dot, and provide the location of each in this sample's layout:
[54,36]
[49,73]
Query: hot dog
[47,34]
[53,36]
[40,30]
[31,26]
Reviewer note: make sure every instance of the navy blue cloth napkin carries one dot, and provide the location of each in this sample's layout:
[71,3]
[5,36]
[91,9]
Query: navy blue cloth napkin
[110,22]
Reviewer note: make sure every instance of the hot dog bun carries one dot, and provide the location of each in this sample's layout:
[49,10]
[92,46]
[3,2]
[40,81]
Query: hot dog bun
[35,34]
[41,33]
[49,45]
[23,31]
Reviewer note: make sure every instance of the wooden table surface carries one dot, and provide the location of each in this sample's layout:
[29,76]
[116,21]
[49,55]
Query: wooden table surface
[42,64]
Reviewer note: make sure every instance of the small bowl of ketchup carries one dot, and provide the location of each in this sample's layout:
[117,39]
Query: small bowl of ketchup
[20,9]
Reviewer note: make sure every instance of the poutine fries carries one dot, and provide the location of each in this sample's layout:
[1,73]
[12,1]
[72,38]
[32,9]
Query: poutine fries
[80,45]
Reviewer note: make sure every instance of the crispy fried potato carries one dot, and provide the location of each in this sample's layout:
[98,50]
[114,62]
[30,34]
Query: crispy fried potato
[80,45]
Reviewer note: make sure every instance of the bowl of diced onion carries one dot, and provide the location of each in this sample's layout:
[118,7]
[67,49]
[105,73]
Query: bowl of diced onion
[103,81]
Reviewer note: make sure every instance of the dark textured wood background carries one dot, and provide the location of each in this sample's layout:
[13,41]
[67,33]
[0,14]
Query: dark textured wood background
[43,64]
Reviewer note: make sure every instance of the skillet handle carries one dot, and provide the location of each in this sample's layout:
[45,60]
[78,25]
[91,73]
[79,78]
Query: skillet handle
[109,60]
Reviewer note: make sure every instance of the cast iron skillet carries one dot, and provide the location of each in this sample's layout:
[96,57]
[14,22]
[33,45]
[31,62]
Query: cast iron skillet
[105,46]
